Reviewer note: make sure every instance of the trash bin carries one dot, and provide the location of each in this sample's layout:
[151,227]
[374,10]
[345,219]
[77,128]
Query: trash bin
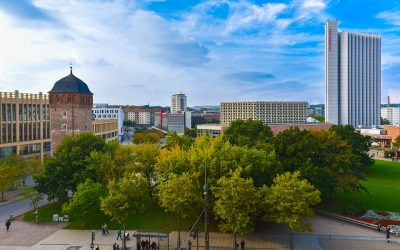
[55,217]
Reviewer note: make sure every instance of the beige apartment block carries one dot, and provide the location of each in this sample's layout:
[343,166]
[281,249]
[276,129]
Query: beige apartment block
[269,112]
[25,124]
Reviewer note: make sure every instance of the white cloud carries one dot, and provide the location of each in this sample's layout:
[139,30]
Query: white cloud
[392,17]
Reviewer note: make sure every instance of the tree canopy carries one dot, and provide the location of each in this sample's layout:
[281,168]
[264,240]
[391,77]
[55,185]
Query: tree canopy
[248,133]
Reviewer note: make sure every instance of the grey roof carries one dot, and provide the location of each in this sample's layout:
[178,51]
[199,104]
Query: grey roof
[70,84]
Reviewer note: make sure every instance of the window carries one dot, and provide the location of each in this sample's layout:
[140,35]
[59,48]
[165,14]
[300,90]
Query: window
[64,114]
[64,127]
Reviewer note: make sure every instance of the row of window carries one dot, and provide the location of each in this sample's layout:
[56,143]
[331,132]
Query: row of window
[102,111]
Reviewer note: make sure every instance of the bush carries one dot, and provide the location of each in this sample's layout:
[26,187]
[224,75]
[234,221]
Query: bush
[354,209]
[387,152]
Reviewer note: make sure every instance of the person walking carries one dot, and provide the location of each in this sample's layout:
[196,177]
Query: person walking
[103,232]
[8,224]
[97,248]
[106,232]
[189,245]
[115,246]
[119,234]
[242,243]
[388,234]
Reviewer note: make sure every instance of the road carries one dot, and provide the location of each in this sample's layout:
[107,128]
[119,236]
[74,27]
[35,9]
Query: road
[17,208]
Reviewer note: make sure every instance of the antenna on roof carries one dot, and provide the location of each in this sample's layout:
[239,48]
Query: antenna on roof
[70,66]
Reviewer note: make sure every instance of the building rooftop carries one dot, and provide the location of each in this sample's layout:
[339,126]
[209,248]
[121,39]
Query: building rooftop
[70,84]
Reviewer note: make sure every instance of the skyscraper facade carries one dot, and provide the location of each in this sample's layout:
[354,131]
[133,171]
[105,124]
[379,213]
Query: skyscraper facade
[178,103]
[352,77]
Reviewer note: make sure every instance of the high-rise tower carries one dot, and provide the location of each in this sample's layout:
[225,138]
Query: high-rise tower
[352,77]
[70,103]
[178,103]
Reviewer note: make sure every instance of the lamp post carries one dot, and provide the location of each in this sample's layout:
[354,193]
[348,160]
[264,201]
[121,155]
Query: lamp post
[93,238]
[205,188]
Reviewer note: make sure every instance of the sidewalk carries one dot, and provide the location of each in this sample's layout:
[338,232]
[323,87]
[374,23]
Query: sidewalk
[11,196]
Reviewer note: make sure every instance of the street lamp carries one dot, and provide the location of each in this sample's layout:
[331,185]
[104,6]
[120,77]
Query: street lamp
[205,188]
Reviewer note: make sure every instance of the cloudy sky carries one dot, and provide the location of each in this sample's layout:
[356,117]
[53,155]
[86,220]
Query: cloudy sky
[143,51]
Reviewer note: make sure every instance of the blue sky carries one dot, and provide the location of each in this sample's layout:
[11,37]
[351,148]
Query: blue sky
[143,51]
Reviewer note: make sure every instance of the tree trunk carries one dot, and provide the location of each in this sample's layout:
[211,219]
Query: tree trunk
[234,241]
[290,239]
[179,233]
[2,195]
[124,238]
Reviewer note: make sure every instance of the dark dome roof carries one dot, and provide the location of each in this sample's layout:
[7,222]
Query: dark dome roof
[70,84]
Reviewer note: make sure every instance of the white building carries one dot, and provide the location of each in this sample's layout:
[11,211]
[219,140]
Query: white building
[178,103]
[352,77]
[103,111]
[392,114]
[269,112]
[141,116]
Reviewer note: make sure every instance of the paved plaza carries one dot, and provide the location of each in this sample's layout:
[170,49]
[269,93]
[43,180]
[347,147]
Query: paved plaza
[328,234]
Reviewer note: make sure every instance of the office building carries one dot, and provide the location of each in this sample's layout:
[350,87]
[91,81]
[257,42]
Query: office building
[269,112]
[70,102]
[161,120]
[176,122]
[103,111]
[25,124]
[141,116]
[352,77]
[106,129]
[178,103]
[212,130]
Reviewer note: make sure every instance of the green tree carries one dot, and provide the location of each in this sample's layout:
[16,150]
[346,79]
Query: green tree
[191,132]
[10,172]
[145,158]
[68,167]
[180,194]
[30,193]
[125,197]
[236,204]
[173,139]
[146,137]
[384,121]
[85,200]
[289,201]
[248,133]
[128,123]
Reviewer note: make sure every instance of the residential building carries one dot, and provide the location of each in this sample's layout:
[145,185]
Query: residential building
[213,130]
[141,116]
[269,112]
[352,77]
[25,124]
[178,103]
[70,103]
[103,111]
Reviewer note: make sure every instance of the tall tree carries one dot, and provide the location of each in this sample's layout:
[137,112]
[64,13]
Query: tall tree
[125,197]
[236,204]
[85,200]
[180,194]
[289,201]
[248,133]
[10,172]
[68,167]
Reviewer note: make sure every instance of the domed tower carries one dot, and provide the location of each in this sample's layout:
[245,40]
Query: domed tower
[70,103]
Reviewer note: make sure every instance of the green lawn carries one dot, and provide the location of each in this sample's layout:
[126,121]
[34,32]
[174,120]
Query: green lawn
[154,219]
[383,186]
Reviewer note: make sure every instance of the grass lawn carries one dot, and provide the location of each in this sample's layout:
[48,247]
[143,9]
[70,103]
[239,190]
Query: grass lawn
[154,219]
[383,185]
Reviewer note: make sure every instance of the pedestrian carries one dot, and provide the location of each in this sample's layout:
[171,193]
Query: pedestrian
[106,232]
[97,248]
[143,244]
[189,245]
[242,243]
[115,246]
[190,231]
[119,234]
[388,234]
[8,224]
[147,244]
[153,245]
[103,232]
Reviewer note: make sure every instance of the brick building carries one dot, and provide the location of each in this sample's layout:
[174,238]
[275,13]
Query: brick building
[70,103]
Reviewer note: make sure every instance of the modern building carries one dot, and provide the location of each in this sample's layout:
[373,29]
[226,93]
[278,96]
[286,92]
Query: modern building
[70,103]
[213,130]
[107,129]
[25,124]
[103,111]
[178,103]
[269,112]
[392,114]
[352,77]
[161,120]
